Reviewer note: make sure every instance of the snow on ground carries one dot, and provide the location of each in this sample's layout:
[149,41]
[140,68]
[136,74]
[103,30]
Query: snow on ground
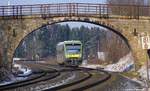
[143,72]
[22,73]
[5,82]
[13,80]
[124,64]
[22,70]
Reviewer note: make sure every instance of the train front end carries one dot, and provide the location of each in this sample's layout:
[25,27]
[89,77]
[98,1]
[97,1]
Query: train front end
[73,53]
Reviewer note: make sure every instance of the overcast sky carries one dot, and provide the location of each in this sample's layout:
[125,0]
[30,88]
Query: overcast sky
[26,2]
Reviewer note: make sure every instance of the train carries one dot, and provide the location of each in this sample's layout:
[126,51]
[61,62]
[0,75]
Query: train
[69,53]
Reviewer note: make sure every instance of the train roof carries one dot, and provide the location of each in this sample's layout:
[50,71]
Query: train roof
[69,41]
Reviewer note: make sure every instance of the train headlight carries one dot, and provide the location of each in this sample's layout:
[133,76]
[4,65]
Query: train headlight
[73,56]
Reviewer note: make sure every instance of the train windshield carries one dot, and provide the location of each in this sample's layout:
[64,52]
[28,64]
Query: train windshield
[73,48]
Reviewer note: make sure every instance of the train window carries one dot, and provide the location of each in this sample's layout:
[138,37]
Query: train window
[71,46]
[73,51]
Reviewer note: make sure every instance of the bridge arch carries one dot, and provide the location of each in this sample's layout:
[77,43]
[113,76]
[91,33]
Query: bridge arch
[98,22]
[22,27]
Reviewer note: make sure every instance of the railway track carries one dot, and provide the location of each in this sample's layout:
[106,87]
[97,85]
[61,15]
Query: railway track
[95,80]
[90,79]
[67,75]
[43,77]
[87,75]
[61,79]
[2,87]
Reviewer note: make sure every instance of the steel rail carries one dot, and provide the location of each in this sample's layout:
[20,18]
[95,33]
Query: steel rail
[107,77]
[85,78]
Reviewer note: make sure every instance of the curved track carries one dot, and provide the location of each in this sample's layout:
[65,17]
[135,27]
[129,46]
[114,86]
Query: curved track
[90,79]
[43,77]
[60,78]
[13,85]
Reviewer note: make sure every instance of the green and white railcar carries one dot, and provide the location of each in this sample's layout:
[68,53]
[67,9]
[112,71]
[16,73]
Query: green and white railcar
[69,52]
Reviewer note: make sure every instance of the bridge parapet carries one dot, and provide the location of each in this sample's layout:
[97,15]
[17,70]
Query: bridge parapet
[76,9]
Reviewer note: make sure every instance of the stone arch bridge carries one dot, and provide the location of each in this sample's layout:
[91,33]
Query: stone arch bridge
[18,21]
